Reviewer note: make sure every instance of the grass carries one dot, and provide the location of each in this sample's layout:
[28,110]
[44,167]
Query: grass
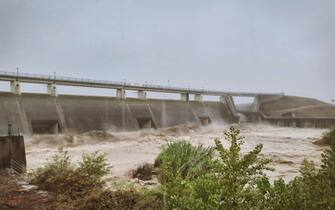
[182,159]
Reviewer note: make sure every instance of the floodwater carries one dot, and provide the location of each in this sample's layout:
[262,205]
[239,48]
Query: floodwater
[286,147]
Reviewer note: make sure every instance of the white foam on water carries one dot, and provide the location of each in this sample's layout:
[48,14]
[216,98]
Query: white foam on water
[287,147]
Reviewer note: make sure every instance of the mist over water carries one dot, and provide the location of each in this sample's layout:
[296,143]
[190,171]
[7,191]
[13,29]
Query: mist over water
[286,147]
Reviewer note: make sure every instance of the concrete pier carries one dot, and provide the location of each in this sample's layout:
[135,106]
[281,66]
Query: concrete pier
[141,94]
[15,87]
[198,97]
[121,93]
[52,89]
[229,102]
[185,97]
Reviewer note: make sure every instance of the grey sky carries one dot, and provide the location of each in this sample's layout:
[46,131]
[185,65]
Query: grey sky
[259,45]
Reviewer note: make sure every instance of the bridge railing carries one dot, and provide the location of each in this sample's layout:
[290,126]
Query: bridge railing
[56,78]
[93,81]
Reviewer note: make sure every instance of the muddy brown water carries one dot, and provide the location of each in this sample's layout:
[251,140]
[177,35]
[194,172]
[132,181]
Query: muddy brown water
[286,147]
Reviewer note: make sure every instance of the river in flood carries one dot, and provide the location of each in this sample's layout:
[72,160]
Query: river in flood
[286,147]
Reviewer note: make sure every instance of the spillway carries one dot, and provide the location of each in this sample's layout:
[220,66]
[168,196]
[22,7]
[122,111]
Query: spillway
[33,113]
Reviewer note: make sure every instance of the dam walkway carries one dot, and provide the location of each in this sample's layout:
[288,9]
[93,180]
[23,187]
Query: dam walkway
[16,78]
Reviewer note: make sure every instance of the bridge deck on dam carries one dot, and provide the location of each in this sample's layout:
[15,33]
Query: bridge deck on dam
[70,81]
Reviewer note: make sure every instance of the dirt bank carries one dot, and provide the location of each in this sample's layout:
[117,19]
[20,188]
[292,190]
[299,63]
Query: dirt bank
[14,196]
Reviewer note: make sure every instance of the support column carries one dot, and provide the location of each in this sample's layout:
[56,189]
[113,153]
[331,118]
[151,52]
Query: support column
[222,99]
[229,102]
[141,94]
[120,93]
[198,97]
[52,89]
[256,104]
[294,122]
[15,87]
[185,97]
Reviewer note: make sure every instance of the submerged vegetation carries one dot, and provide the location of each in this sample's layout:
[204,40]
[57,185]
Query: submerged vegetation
[193,177]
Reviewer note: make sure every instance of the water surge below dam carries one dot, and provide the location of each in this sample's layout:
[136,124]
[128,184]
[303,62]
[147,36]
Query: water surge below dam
[286,147]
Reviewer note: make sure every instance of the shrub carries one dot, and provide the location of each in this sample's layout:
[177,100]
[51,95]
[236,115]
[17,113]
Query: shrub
[241,177]
[234,181]
[143,172]
[50,176]
[150,200]
[65,179]
[182,159]
[120,199]
[313,189]
[328,138]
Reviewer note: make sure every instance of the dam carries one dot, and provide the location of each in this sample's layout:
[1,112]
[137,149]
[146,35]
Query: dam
[34,113]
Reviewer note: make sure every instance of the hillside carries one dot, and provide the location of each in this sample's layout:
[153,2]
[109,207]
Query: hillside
[302,107]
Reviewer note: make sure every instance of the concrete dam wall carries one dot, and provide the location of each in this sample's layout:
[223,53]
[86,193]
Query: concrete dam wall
[42,113]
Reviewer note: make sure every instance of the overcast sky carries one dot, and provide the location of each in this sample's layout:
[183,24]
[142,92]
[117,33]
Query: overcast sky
[259,45]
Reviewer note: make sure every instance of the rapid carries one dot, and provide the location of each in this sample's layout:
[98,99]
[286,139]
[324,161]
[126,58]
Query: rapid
[286,147]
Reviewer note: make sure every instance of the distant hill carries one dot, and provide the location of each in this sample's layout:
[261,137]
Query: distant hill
[300,106]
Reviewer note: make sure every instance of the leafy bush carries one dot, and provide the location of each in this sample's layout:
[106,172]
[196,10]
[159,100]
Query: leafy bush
[330,135]
[314,189]
[143,172]
[65,179]
[150,200]
[122,200]
[234,181]
[328,138]
[241,177]
[182,159]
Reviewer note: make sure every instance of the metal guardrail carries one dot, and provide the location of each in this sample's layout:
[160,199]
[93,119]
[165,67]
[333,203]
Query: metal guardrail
[125,85]
[16,167]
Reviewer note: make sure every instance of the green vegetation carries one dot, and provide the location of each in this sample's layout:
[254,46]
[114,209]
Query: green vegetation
[143,172]
[183,160]
[194,177]
[233,181]
[68,181]
[328,138]
[314,189]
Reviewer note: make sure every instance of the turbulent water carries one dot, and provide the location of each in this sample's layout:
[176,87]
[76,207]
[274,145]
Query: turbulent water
[287,147]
